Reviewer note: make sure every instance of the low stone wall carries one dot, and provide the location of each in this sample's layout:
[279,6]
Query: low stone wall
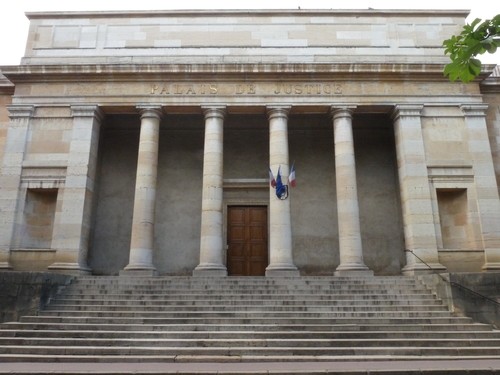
[474,295]
[25,293]
[469,294]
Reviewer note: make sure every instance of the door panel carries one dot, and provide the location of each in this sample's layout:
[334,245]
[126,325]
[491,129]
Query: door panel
[247,253]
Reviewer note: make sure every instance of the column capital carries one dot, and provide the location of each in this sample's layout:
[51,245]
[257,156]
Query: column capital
[150,111]
[342,110]
[20,111]
[474,110]
[275,111]
[82,110]
[406,110]
[217,111]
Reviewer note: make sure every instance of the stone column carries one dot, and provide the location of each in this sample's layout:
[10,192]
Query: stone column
[351,250]
[488,201]
[73,221]
[10,179]
[416,199]
[280,231]
[212,240]
[143,219]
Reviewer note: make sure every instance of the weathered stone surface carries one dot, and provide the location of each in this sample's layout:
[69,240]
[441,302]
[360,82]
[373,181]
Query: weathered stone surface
[25,293]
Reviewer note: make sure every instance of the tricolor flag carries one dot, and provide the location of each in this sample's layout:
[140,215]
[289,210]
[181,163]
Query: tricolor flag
[291,177]
[281,190]
[272,181]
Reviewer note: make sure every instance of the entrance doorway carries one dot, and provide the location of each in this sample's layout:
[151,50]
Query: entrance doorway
[247,240]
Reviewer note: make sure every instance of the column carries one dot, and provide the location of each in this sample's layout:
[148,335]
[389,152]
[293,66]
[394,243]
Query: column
[72,222]
[351,250]
[10,179]
[486,187]
[212,240]
[416,199]
[143,219]
[280,231]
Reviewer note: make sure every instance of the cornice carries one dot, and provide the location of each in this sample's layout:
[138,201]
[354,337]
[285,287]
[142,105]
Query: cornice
[463,13]
[6,87]
[490,85]
[154,72]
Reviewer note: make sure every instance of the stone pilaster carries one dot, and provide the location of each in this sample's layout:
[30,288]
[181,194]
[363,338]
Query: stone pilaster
[10,177]
[72,223]
[416,199]
[351,250]
[143,219]
[212,240]
[488,201]
[280,231]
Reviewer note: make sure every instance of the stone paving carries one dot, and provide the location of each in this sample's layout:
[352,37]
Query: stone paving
[476,367]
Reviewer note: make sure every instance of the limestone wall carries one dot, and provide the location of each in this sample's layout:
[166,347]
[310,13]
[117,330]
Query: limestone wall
[6,90]
[240,36]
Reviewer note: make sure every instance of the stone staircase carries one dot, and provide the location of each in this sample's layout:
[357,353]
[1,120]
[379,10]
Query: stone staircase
[233,319]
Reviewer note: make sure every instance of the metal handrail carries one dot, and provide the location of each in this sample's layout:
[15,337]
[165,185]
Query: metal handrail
[454,283]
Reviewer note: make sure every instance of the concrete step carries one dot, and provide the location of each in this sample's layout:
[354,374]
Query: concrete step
[248,314]
[287,351]
[246,297]
[241,302]
[218,307]
[364,342]
[270,327]
[247,320]
[249,334]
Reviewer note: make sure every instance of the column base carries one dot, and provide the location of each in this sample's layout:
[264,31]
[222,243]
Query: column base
[5,266]
[282,270]
[491,266]
[354,273]
[353,269]
[138,270]
[210,270]
[420,268]
[69,269]
[138,273]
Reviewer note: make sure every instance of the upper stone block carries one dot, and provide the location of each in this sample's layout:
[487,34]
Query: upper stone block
[270,36]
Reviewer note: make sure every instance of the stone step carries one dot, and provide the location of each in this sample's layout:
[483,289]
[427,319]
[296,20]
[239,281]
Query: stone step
[247,297]
[251,288]
[287,351]
[245,280]
[245,319]
[159,360]
[348,319]
[255,334]
[249,314]
[269,302]
[263,327]
[72,342]
[268,308]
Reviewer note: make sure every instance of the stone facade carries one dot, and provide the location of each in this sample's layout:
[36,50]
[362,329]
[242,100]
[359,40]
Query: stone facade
[126,138]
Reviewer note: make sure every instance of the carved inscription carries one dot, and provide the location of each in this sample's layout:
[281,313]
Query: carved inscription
[280,88]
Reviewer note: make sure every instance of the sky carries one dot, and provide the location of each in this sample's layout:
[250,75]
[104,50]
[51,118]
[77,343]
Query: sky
[14,25]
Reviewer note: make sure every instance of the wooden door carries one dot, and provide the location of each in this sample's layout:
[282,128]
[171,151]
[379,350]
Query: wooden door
[247,240]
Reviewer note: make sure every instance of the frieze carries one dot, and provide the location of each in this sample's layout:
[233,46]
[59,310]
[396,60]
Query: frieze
[214,89]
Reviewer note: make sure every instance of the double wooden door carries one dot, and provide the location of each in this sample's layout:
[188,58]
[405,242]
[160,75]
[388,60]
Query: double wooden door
[247,253]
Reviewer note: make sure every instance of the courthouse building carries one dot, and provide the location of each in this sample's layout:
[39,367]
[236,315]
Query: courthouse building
[144,143]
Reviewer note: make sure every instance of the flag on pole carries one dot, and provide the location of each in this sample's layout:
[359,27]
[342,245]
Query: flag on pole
[291,177]
[272,181]
[281,190]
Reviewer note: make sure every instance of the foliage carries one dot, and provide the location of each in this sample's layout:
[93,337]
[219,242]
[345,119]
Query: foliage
[475,39]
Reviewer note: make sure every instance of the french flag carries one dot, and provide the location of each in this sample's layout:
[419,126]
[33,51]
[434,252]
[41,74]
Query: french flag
[291,177]
[272,181]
